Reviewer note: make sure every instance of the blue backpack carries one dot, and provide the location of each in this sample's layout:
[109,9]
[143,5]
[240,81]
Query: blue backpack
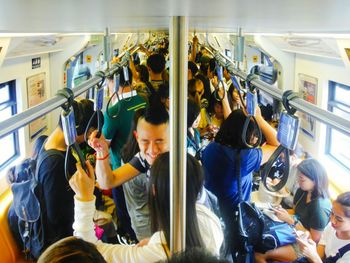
[25,214]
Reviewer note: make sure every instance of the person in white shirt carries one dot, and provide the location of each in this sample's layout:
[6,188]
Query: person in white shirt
[203,227]
[334,246]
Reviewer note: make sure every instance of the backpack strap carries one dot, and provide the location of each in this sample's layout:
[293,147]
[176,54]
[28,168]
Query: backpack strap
[150,88]
[238,173]
[340,254]
[42,156]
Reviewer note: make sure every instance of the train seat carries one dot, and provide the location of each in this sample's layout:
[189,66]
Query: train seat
[8,247]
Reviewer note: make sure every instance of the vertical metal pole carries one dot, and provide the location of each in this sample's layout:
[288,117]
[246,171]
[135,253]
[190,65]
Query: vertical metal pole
[178,122]
[107,48]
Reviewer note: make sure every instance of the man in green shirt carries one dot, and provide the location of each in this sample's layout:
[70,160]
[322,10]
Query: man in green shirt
[116,129]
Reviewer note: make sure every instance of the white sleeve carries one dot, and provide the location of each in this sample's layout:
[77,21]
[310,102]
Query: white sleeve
[83,225]
[210,229]
[84,228]
[345,258]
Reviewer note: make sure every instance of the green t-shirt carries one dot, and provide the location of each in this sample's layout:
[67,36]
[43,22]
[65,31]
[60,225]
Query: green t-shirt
[117,129]
[314,214]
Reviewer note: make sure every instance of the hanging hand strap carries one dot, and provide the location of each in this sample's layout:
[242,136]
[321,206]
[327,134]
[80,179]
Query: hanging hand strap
[251,106]
[287,135]
[98,104]
[69,129]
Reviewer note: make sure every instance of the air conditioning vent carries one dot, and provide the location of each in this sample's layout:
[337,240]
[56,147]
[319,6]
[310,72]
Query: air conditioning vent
[303,42]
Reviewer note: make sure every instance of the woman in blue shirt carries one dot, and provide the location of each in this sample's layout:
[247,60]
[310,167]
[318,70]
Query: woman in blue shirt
[219,162]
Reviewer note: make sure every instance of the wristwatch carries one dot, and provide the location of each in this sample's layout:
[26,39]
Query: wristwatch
[296,220]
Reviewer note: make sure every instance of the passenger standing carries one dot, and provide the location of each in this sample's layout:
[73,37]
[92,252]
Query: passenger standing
[219,162]
[152,135]
[193,136]
[116,128]
[57,204]
[136,190]
[156,66]
[203,227]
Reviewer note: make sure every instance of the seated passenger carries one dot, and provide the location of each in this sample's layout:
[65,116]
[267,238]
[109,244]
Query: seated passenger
[219,162]
[203,227]
[334,238]
[312,208]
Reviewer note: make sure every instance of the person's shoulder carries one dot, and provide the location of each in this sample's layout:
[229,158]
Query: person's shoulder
[210,149]
[50,156]
[49,160]
[323,203]
[205,214]
[139,163]
[213,146]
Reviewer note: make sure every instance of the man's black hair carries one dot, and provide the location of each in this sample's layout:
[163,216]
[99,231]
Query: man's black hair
[156,62]
[193,111]
[212,65]
[193,67]
[155,113]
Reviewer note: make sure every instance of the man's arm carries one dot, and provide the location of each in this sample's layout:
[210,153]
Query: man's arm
[105,176]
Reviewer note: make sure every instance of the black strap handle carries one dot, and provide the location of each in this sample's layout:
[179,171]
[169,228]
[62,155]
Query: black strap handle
[245,130]
[249,79]
[269,167]
[69,95]
[98,113]
[67,107]
[287,96]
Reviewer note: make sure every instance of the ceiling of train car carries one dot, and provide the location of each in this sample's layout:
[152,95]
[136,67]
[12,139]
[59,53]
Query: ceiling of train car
[204,15]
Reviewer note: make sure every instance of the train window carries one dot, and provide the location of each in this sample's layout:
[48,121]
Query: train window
[338,143]
[8,107]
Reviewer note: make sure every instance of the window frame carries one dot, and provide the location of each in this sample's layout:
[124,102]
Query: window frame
[11,103]
[331,104]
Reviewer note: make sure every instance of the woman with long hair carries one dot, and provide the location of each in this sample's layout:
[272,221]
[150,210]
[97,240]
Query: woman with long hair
[311,211]
[203,227]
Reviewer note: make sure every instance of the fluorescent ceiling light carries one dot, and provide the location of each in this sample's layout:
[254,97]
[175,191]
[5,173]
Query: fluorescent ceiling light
[25,34]
[321,35]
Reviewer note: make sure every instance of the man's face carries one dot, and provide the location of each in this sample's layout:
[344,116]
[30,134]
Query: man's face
[152,139]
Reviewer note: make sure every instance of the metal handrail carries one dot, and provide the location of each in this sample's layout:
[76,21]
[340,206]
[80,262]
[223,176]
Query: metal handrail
[299,104]
[27,116]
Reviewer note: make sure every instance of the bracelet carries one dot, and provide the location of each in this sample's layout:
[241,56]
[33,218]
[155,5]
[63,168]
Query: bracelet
[102,158]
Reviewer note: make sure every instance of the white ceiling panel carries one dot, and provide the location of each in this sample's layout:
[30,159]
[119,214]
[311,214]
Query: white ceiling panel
[204,15]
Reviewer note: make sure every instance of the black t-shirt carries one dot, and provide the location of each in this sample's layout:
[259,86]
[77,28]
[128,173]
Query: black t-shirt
[140,164]
[314,214]
[57,202]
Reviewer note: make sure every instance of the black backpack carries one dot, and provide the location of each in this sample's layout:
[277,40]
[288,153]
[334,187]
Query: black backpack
[25,213]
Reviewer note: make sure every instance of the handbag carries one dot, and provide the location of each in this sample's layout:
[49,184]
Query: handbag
[275,234]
